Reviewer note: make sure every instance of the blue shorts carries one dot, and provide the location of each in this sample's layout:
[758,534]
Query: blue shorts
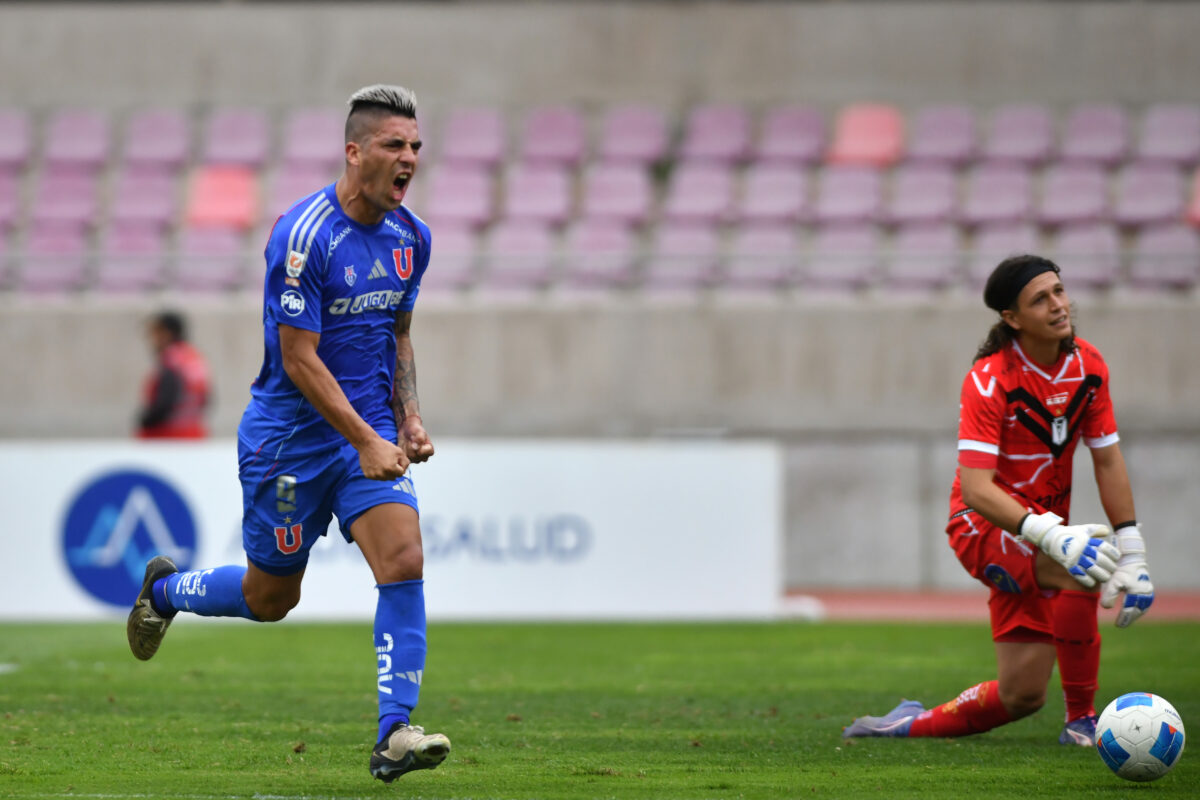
[288,504]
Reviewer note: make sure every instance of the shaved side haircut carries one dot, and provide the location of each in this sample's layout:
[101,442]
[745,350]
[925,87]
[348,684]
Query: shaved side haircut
[370,103]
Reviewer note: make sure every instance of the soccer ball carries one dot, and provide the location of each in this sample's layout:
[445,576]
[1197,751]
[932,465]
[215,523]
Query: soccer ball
[1140,736]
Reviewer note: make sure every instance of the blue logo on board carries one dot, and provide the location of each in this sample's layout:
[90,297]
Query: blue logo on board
[116,524]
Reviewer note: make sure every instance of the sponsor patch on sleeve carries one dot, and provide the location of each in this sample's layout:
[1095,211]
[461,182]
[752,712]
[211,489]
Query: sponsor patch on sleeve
[295,263]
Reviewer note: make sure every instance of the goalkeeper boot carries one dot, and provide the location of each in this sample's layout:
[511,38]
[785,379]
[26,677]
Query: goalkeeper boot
[146,627]
[405,748]
[894,723]
[1080,731]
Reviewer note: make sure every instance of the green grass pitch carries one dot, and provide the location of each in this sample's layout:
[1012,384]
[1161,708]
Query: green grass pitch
[235,710]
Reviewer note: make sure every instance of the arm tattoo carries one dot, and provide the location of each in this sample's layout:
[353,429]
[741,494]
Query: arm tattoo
[404,383]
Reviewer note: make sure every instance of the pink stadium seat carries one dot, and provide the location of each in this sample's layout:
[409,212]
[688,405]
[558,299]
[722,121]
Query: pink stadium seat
[774,192]
[15,139]
[791,135]
[600,253]
[1095,133]
[1022,134]
[210,260]
[925,256]
[762,256]
[944,134]
[1170,133]
[998,194]
[290,185]
[453,263]
[54,261]
[683,256]
[222,197]
[1165,257]
[923,192]
[700,193]
[1149,194]
[157,138]
[1193,207]
[237,137]
[132,259]
[538,193]
[10,200]
[716,132]
[76,139]
[66,197]
[473,136]
[633,133]
[460,194]
[867,134]
[843,257]
[617,192]
[554,135]
[1073,193]
[849,194]
[994,243]
[314,140]
[144,196]
[1089,254]
[520,256]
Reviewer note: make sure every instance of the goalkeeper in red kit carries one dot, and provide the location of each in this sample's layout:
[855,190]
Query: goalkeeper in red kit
[1034,391]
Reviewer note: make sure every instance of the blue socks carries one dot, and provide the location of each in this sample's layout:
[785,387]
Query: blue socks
[400,647]
[207,592]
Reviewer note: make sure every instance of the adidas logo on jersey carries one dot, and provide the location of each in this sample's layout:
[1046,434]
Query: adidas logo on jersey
[377,271]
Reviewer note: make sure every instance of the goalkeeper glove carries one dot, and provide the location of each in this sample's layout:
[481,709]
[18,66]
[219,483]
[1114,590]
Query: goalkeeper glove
[1130,577]
[1080,548]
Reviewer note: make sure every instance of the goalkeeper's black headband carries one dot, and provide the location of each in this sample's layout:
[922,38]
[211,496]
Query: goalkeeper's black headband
[1005,283]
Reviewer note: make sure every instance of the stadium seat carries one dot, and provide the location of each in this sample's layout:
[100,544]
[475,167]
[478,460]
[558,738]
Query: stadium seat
[539,193]
[157,138]
[1089,254]
[1022,134]
[617,192]
[994,243]
[236,137]
[762,256]
[924,256]
[210,260]
[944,134]
[473,136]
[554,135]
[791,135]
[683,256]
[843,257]
[54,260]
[1165,257]
[774,192]
[1073,193]
[520,256]
[1095,133]
[1193,207]
[600,254]
[453,261]
[222,197]
[849,194]
[460,193]
[867,134]
[144,196]
[10,200]
[923,192]
[132,259]
[633,133]
[1170,133]
[314,140]
[700,193]
[716,132]
[76,139]
[290,185]
[15,139]
[66,197]
[1149,194]
[998,193]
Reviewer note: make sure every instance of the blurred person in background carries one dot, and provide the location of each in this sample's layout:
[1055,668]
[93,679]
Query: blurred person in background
[176,394]
[334,422]
[1034,390]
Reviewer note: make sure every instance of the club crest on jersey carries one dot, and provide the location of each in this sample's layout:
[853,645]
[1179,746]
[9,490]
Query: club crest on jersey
[295,263]
[403,258]
[350,275]
[1059,430]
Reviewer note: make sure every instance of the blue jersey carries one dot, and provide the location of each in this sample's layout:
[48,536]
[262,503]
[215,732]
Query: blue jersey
[348,282]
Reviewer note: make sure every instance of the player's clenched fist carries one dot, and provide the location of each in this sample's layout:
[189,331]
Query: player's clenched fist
[1080,548]
[415,440]
[382,460]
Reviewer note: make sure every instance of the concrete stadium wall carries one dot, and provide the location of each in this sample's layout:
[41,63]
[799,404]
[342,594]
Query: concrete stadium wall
[514,53]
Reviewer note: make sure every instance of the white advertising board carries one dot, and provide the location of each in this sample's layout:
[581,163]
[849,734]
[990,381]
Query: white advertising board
[512,529]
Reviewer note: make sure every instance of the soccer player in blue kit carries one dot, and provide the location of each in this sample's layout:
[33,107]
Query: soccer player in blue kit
[334,421]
